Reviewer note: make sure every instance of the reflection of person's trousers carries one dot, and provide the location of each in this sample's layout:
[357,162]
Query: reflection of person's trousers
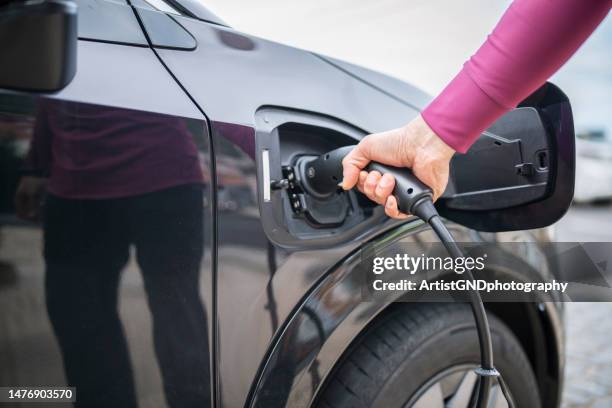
[87,245]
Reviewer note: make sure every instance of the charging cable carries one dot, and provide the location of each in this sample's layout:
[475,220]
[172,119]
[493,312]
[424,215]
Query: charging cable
[320,176]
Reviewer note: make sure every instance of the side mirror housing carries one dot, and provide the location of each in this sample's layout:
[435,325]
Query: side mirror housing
[38,42]
[520,173]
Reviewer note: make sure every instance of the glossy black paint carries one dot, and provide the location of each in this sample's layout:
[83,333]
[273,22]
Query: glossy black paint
[278,316]
[333,315]
[104,306]
[296,83]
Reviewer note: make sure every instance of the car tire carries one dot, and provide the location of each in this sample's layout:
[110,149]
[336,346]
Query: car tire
[396,360]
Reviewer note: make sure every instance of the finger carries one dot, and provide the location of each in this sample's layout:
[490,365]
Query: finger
[384,188]
[370,184]
[354,162]
[392,211]
[363,175]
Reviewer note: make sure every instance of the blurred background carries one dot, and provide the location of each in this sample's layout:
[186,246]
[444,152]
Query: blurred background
[425,42]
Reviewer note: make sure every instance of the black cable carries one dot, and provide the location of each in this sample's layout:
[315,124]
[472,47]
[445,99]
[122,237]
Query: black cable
[487,370]
[416,198]
[422,206]
[505,391]
[482,323]
[480,316]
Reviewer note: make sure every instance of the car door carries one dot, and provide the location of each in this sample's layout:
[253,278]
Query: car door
[106,286]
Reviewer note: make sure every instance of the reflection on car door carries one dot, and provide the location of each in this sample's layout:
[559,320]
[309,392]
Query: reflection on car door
[105,235]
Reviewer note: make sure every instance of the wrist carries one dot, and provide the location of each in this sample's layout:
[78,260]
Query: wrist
[426,142]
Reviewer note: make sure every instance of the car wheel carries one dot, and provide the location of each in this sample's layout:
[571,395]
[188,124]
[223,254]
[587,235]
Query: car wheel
[423,356]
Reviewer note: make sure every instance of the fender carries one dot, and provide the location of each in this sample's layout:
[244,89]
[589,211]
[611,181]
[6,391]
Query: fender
[333,314]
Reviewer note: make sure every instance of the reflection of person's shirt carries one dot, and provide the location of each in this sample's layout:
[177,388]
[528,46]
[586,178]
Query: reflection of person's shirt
[91,151]
[533,39]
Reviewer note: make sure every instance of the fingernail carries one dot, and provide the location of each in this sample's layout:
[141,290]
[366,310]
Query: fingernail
[343,183]
[388,204]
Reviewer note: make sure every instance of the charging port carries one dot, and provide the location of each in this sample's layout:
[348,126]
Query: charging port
[318,212]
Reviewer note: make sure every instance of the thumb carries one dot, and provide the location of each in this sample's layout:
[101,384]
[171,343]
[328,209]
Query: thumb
[353,163]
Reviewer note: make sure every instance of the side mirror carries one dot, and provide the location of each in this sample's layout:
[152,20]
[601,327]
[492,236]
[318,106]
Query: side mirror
[520,173]
[38,40]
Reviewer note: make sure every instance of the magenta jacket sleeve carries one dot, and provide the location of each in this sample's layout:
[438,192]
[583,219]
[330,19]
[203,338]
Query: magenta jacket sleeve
[533,39]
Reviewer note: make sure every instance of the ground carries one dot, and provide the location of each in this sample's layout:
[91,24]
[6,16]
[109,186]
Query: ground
[588,381]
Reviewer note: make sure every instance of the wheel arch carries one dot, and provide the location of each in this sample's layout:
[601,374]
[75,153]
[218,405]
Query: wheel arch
[333,316]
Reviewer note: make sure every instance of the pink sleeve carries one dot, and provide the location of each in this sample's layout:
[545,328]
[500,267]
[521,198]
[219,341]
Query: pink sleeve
[533,39]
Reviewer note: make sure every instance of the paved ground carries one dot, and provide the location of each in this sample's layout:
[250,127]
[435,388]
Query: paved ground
[588,381]
[589,325]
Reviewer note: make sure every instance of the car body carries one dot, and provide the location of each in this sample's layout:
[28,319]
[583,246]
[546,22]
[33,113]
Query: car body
[278,313]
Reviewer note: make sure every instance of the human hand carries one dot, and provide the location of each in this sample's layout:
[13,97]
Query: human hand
[28,197]
[415,146]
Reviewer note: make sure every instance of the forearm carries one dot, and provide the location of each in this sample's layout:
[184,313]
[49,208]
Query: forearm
[533,39]
[38,160]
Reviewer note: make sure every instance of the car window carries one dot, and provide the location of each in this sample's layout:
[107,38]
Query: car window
[196,9]
[163,30]
[162,6]
[108,21]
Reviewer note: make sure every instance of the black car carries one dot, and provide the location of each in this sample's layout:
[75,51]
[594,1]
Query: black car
[168,265]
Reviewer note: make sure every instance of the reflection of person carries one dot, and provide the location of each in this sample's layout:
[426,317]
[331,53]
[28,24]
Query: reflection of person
[531,41]
[119,178]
